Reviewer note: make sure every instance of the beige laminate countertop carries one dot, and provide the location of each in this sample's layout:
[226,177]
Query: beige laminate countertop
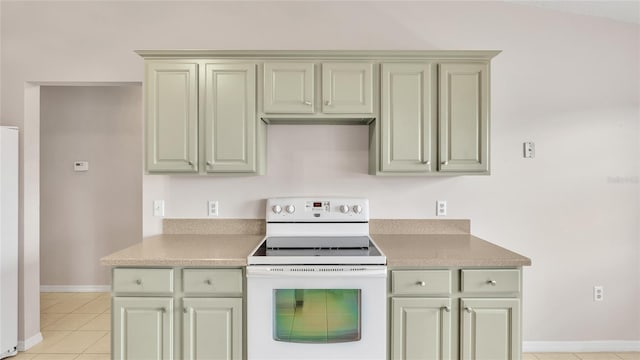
[186,250]
[445,250]
[232,250]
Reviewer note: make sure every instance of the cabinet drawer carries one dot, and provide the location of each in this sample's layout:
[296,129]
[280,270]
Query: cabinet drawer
[143,280]
[421,282]
[484,281]
[212,281]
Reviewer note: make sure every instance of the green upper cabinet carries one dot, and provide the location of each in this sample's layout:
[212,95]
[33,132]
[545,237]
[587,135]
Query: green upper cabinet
[407,126]
[464,117]
[288,88]
[296,88]
[434,119]
[427,111]
[347,88]
[171,97]
[230,119]
[201,118]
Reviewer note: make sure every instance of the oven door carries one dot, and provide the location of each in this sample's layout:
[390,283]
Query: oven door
[316,312]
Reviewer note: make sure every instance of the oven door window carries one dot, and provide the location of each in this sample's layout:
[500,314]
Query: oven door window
[317,316]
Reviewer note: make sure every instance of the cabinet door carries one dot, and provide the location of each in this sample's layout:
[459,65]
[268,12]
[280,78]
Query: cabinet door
[347,88]
[230,117]
[288,88]
[171,96]
[490,329]
[212,328]
[407,126]
[421,329]
[464,117]
[143,328]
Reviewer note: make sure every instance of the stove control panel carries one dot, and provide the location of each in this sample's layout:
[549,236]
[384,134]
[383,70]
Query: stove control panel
[319,209]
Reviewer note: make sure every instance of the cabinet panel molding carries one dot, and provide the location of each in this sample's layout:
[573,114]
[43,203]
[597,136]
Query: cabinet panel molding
[171,117]
[212,328]
[143,328]
[490,328]
[406,119]
[347,88]
[230,117]
[464,117]
[288,88]
[421,328]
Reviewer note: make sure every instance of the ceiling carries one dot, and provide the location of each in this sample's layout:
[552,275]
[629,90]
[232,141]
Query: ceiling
[626,11]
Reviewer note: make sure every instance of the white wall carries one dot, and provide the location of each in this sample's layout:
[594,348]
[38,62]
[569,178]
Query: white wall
[567,82]
[87,215]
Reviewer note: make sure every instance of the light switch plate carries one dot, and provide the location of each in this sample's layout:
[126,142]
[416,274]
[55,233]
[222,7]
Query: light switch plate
[158,208]
[212,206]
[441,208]
[80,165]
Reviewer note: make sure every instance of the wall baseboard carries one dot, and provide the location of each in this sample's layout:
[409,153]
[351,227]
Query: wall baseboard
[75,288]
[30,342]
[581,346]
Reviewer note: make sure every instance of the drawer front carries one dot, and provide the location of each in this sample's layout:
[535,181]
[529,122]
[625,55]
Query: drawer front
[421,282]
[485,281]
[212,281]
[143,280]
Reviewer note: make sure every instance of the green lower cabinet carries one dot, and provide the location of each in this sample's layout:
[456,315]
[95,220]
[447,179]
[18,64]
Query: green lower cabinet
[212,329]
[421,328]
[490,329]
[142,328]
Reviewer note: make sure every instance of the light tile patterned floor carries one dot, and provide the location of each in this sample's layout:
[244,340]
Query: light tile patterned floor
[74,326]
[77,326]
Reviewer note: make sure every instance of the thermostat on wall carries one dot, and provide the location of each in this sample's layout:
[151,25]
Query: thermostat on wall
[80,166]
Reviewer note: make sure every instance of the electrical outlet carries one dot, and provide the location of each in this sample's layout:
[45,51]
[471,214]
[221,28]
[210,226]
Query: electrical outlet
[158,207]
[529,149]
[441,208]
[598,293]
[212,206]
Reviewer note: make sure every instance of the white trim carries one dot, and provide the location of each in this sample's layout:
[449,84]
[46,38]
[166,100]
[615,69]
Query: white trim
[581,346]
[30,342]
[75,288]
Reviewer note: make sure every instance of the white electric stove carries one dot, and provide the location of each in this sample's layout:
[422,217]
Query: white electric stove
[316,285]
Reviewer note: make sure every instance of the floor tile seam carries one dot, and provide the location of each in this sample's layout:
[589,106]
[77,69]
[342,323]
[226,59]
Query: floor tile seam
[92,344]
[70,334]
[61,319]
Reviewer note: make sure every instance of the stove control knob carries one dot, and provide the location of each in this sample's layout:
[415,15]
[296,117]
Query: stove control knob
[344,209]
[290,209]
[357,209]
[277,209]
